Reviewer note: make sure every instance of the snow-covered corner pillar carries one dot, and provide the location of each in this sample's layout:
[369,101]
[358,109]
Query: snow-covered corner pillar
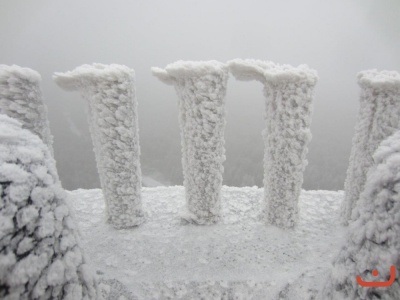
[201,89]
[113,122]
[40,252]
[378,118]
[21,98]
[373,237]
[289,95]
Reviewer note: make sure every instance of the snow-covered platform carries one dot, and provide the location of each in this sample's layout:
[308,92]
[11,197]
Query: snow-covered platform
[239,258]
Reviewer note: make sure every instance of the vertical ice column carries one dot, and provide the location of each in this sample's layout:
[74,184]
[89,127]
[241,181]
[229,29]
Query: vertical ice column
[21,98]
[40,250]
[113,122]
[378,118]
[289,94]
[201,89]
[373,239]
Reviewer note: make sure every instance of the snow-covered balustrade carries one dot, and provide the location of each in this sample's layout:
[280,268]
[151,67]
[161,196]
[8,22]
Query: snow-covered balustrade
[21,98]
[201,89]
[289,95]
[113,122]
[378,118]
[373,240]
[40,252]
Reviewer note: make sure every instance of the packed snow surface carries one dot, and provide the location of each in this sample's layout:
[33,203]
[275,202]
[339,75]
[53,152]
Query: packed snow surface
[238,258]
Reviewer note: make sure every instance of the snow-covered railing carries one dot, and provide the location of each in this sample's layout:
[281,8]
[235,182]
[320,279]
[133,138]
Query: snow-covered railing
[21,98]
[113,122]
[373,241]
[201,89]
[40,252]
[289,94]
[378,118]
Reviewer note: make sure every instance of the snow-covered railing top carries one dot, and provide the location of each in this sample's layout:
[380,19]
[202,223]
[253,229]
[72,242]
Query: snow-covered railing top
[267,71]
[379,79]
[71,80]
[183,69]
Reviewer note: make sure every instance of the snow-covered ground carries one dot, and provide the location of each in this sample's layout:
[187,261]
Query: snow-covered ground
[239,258]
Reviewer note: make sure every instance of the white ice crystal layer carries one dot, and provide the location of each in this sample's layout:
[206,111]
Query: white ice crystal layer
[21,98]
[373,240]
[289,94]
[201,89]
[378,118]
[40,252]
[113,121]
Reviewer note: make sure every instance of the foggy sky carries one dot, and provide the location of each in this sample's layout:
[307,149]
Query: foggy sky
[338,39]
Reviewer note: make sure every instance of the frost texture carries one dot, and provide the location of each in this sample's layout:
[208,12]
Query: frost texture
[21,98]
[378,118]
[289,94]
[113,122]
[201,89]
[40,253]
[373,242]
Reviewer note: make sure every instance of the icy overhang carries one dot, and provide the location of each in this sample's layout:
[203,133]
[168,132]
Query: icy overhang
[183,69]
[266,71]
[72,80]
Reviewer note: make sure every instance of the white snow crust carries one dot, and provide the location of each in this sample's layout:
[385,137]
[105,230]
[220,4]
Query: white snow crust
[289,95]
[237,258]
[201,89]
[21,98]
[40,252]
[373,241]
[378,118]
[113,121]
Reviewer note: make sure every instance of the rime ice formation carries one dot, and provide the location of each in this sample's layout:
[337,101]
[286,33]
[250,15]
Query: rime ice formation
[373,241]
[201,89]
[113,122]
[378,118]
[21,98]
[40,252]
[289,94]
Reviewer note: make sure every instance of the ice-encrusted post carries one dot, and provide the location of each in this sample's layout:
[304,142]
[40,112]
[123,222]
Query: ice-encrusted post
[378,118]
[201,89]
[40,250]
[373,239]
[113,122]
[21,98]
[289,94]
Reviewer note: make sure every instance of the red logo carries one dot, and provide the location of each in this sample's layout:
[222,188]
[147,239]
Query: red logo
[378,283]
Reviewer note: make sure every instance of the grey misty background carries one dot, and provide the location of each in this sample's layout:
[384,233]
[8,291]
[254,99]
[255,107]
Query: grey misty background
[338,39]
